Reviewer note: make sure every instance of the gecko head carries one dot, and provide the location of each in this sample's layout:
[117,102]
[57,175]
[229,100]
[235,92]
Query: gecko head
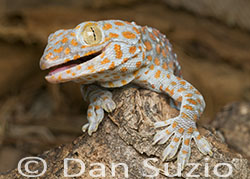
[91,47]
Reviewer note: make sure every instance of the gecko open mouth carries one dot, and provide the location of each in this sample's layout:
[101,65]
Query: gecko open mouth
[72,63]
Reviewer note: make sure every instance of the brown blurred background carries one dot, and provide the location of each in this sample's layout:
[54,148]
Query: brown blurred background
[211,38]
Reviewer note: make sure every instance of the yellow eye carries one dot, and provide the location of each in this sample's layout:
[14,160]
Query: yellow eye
[92,34]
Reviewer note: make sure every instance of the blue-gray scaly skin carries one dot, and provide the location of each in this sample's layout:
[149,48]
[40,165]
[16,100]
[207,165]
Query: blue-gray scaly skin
[113,53]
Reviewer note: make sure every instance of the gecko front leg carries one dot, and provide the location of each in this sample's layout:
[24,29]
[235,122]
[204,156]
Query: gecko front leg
[100,100]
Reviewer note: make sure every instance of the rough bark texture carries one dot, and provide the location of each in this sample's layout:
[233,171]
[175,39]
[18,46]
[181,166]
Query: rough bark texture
[126,135]
[233,122]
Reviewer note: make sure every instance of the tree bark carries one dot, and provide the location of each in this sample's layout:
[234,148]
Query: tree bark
[126,136]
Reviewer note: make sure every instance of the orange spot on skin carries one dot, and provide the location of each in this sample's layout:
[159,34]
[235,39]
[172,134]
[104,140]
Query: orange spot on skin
[77,27]
[68,71]
[90,53]
[60,77]
[89,114]
[158,49]
[49,49]
[74,42]
[198,137]
[124,69]
[146,72]
[178,78]
[118,51]
[184,115]
[129,35]
[149,57]
[182,82]
[105,61]
[116,77]
[55,58]
[156,32]
[153,86]
[136,30]
[157,61]
[135,73]
[113,35]
[67,50]
[171,92]
[112,65]
[181,130]
[167,132]
[184,151]
[148,45]
[57,42]
[199,101]
[138,64]
[174,124]
[111,84]
[179,99]
[127,22]
[190,130]
[167,89]
[79,67]
[192,101]
[189,95]
[125,60]
[83,46]
[151,36]
[76,57]
[91,67]
[188,107]
[119,23]
[171,65]
[157,74]
[132,49]
[102,55]
[73,34]
[124,82]
[97,107]
[195,117]
[164,54]
[181,89]
[59,50]
[173,83]
[107,26]
[161,87]
[176,139]
[66,60]
[73,74]
[64,40]
[197,92]
[143,55]
[151,67]
[59,34]
[48,55]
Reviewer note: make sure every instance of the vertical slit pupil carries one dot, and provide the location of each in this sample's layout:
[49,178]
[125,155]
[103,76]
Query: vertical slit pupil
[93,32]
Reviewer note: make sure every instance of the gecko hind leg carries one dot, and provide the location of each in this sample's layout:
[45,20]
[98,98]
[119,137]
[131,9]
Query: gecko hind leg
[180,133]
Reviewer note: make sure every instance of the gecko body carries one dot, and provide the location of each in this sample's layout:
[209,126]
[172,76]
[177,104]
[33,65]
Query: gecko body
[108,54]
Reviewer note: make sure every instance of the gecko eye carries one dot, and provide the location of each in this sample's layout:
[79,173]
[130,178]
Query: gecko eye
[92,34]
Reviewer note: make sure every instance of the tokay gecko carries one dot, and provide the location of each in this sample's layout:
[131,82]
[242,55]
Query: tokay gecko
[112,53]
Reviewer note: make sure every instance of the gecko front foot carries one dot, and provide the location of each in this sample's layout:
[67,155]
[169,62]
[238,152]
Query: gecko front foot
[95,114]
[182,131]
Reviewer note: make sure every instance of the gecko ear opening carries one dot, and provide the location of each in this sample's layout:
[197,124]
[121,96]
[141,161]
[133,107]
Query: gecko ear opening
[92,34]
